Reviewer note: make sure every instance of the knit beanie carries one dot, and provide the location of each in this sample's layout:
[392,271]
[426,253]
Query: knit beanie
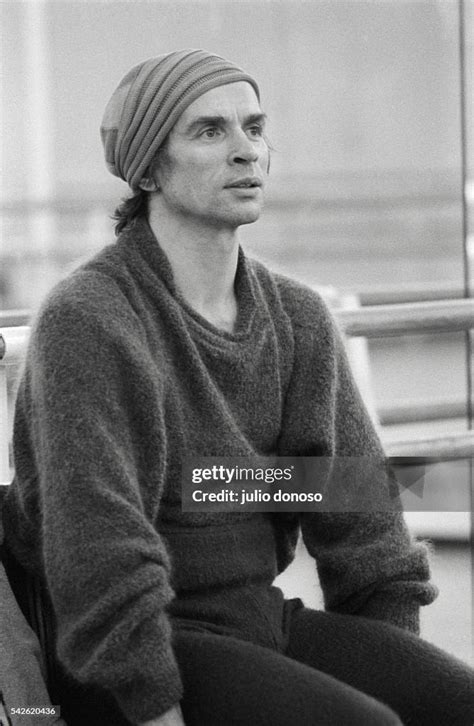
[149,100]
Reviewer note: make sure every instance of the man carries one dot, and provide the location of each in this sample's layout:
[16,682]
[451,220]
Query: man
[172,343]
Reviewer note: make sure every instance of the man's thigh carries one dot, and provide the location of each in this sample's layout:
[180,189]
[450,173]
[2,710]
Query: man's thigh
[232,682]
[421,683]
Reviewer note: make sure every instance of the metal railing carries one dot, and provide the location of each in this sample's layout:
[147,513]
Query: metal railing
[408,293]
[458,445]
[381,321]
[415,410]
[10,318]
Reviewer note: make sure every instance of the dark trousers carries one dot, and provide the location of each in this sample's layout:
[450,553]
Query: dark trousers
[337,670]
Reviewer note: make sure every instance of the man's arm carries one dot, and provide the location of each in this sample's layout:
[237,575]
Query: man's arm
[367,562]
[84,417]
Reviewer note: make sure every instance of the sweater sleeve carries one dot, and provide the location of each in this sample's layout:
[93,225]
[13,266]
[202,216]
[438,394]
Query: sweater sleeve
[368,564]
[90,409]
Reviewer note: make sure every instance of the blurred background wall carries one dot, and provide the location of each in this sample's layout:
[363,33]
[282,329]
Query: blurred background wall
[363,100]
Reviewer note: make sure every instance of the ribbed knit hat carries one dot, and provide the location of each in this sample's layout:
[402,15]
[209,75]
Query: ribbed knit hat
[149,100]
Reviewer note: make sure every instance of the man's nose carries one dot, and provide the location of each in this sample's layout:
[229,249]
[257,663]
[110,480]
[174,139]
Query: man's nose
[244,150]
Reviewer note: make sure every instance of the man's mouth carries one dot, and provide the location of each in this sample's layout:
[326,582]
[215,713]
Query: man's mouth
[246,183]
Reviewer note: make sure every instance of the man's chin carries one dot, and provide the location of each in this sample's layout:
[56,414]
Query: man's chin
[237,217]
[248,216]
[250,219]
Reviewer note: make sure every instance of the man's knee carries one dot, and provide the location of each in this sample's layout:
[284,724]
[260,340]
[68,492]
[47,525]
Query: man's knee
[385,716]
[364,710]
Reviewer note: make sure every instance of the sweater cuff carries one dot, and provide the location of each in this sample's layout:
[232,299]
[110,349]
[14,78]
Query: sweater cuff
[400,608]
[147,698]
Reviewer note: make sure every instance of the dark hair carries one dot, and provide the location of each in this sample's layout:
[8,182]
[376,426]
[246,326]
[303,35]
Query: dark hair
[134,207]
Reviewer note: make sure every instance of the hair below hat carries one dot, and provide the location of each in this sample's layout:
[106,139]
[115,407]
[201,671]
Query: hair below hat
[149,100]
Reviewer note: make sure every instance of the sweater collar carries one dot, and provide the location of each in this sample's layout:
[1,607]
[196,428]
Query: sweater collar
[139,241]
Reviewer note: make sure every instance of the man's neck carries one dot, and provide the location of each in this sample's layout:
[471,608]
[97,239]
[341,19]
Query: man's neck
[204,263]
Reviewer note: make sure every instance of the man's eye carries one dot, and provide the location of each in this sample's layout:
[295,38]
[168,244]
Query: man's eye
[255,130]
[211,132]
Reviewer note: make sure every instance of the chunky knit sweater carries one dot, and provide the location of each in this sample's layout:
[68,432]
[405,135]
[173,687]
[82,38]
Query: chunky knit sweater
[122,380]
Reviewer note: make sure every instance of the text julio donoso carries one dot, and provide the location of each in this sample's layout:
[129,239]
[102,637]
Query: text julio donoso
[232,476]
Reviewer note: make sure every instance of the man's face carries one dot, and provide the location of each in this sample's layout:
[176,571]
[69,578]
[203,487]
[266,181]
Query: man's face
[214,167]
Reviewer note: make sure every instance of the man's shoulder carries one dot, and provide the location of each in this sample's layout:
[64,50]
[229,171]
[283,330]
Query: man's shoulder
[91,292]
[306,306]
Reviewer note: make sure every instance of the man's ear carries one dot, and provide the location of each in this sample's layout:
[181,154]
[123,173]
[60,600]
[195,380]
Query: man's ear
[148,184]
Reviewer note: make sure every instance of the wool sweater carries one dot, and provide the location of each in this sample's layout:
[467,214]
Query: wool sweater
[122,380]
